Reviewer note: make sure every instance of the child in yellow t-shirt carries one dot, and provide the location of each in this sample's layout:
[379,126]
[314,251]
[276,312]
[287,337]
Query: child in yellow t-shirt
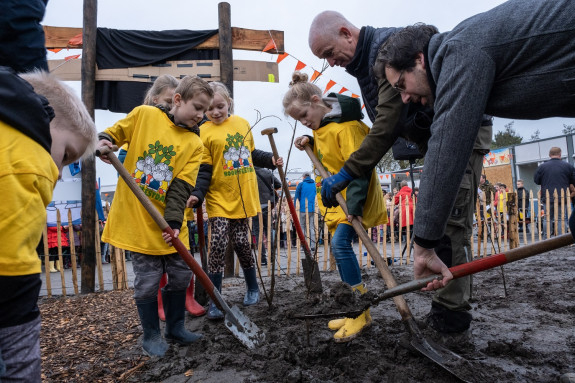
[44,126]
[164,157]
[228,181]
[338,132]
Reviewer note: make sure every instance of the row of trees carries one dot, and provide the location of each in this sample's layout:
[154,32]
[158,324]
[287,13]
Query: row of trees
[503,138]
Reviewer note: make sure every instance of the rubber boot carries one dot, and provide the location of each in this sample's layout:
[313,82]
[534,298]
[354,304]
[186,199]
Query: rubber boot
[163,282]
[174,307]
[194,308]
[213,312]
[153,344]
[350,328]
[253,291]
[53,267]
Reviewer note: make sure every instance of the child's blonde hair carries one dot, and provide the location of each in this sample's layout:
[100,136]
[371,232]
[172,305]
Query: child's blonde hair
[191,85]
[223,91]
[300,92]
[67,106]
[164,81]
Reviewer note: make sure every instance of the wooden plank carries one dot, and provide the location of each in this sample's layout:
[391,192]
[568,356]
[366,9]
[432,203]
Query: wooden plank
[244,70]
[242,38]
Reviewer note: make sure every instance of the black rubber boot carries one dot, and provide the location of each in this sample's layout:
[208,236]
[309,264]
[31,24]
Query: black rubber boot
[447,321]
[213,312]
[153,343]
[174,307]
[253,294]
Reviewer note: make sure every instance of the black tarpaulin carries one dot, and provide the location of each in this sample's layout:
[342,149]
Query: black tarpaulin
[128,49]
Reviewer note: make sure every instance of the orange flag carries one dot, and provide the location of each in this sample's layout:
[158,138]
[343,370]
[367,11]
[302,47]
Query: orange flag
[71,57]
[407,174]
[76,40]
[270,45]
[282,57]
[315,75]
[300,65]
[354,95]
[55,50]
[343,89]
[393,175]
[329,85]
[363,106]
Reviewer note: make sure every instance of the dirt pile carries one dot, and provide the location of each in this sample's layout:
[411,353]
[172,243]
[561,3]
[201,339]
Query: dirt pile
[526,335]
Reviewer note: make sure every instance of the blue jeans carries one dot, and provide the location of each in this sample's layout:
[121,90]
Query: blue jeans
[345,258]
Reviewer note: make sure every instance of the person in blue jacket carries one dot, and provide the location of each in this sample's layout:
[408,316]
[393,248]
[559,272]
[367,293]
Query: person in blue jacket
[305,194]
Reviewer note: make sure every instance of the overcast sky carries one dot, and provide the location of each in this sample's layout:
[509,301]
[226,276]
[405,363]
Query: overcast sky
[293,17]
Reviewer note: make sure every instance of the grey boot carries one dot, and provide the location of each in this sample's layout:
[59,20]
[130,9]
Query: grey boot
[174,307]
[253,294]
[213,312]
[153,344]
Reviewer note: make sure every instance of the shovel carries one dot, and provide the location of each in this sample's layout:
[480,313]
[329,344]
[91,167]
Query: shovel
[240,326]
[445,358]
[310,267]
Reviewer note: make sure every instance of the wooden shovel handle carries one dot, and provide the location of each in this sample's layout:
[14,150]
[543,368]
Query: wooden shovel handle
[371,248]
[160,221]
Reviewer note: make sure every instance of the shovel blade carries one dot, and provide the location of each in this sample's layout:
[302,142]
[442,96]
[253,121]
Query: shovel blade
[447,359]
[243,329]
[311,275]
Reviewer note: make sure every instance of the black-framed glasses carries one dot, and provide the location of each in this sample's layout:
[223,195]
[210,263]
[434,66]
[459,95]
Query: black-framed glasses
[397,86]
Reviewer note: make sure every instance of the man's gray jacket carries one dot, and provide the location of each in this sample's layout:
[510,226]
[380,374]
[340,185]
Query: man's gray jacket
[514,61]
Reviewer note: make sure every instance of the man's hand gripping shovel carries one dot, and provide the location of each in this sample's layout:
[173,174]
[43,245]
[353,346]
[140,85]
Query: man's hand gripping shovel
[240,326]
[445,358]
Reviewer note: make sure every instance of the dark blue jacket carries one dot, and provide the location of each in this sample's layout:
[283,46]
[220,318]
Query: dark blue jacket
[554,174]
[306,191]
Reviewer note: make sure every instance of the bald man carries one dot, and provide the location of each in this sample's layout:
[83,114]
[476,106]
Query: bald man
[335,39]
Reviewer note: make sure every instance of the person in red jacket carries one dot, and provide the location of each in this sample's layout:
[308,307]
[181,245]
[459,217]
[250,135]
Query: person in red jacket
[403,195]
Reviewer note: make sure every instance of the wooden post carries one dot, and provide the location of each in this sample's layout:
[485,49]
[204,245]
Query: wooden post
[539,214]
[99,255]
[548,214]
[60,261]
[360,253]
[400,235]
[72,252]
[505,225]
[297,243]
[226,54]
[562,215]
[513,230]
[408,229]
[532,215]
[392,231]
[288,241]
[47,261]
[88,165]
[326,250]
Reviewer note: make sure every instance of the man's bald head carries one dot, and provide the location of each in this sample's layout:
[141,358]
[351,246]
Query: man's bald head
[333,37]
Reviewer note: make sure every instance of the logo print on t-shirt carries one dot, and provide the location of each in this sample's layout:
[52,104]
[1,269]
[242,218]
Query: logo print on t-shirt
[153,171]
[237,157]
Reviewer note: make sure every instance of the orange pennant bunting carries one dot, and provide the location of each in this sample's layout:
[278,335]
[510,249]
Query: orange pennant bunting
[393,175]
[343,89]
[330,84]
[407,174]
[315,75]
[55,50]
[71,57]
[300,65]
[76,40]
[270,45]
[354,95]
[282,57]
[387,176]
[363,106]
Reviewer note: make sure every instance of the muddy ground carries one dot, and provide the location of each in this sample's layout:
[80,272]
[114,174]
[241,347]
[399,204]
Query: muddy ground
[525,336]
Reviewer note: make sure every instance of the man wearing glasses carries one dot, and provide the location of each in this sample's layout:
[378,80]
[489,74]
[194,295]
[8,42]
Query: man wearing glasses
[514,61]
[333,38]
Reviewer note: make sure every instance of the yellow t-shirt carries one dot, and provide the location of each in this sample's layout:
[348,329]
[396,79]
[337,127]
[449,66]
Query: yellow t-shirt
[159,152]
[228,148]
[27,179]
[333,144]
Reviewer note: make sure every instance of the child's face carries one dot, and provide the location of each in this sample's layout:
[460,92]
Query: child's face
[309,115]
[218,110]
[191,112]
[67,146]
[165,98]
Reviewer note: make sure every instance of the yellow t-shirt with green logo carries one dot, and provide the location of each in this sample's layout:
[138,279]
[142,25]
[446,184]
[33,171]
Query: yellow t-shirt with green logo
[233,191]
[333,144]
[28,176]
[159,152]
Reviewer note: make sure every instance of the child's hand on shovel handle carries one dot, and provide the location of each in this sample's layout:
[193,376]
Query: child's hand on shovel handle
[425,263]
[168,238]
[104,147]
